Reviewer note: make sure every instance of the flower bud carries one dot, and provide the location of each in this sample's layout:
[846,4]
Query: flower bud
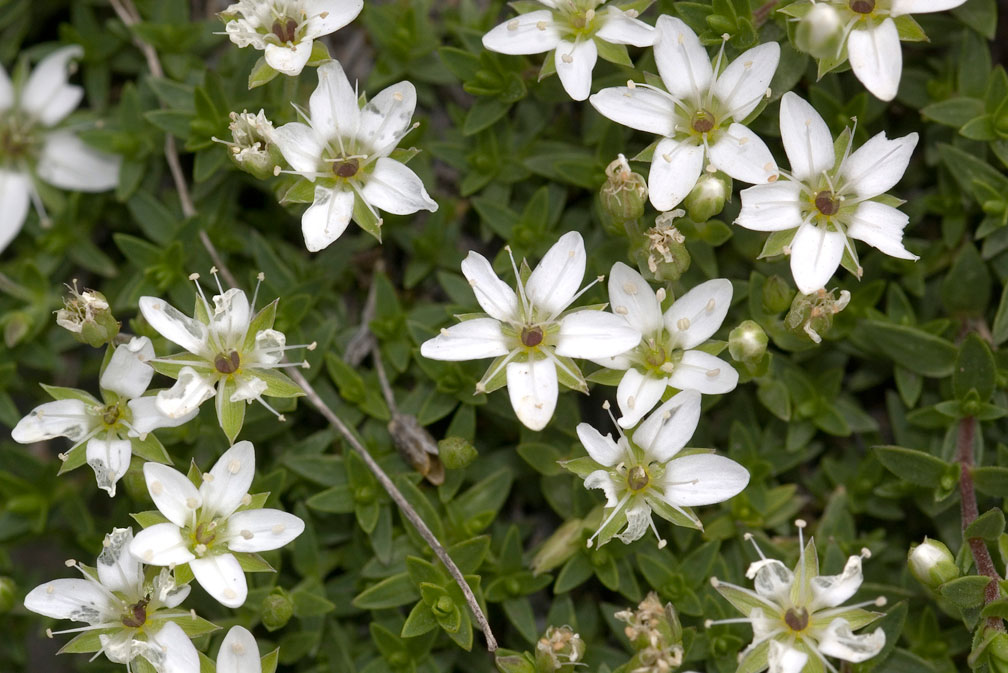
[277,609]
[747,342]
[665,256]
[254,148]
[559,649]
[708,196]
[456,452]
[820,31]
[932,563]
[812,314]
[559,547]
[624,193]
[652,625]
[997,653]
[87,315]
[509,661]
[777,294]
[8,594]
[16,326]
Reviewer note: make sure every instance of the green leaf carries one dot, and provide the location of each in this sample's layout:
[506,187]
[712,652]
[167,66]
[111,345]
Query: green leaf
[966,287]
[391,592]
[336,499]
[954,111]
[987,526]
[913,348]
[999,330]
[484,113]
[966,592]
[269,661]
[420,621]
[991,480]
[916,467]
[975,369]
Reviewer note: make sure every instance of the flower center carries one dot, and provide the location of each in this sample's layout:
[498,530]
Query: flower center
[285,28]
[827,203]
[655,357]
[136,614]
[796,619]
[531,336]
[15,139]
[862,6]
[227,364]
[110,414]
[581,21]
[205,534]
[703,121]
[637,478]
[346,168]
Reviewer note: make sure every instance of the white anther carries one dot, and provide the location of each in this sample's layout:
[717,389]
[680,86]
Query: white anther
[683,324]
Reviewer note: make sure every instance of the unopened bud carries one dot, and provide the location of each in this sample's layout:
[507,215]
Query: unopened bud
[777,294]
[277,609]
[664,256]
[558,650]
[509,661]
[812,314]
[932,563]
[624,193]
[820,31]
[254,147]
[456,452]
[8,594]
[747,342]
[708,196]
[559,547]
[88,317]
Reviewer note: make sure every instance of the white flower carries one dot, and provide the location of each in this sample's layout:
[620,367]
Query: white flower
[797,617]
[238,652]
[206,524]
[32,146]
[532,334]
[344,151]
[667,354]
[699,114]
[648,473]
[284,29]
[577,32]
[116,600]
[105,433]
[233,353]
[830,198]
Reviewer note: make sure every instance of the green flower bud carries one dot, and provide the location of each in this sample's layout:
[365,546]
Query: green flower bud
[624,193]
[88,317]
[708,196]
[277,609]
[997,653]
[559,547]
[747,342]
[820,31]
[777,294]
[932,563]
[812,314]
[8,594]
[254,149]
[509,661]
[456,452]
[665,256]
[559,649]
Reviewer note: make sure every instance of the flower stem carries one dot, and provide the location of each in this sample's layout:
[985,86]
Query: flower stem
[762,13]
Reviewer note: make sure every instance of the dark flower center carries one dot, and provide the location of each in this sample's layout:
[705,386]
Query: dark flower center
[531,336]
[796,619]
[110,414]
[205,533]
[703,121]
[14,142]
[285,29]
[346,168]
[637,478]
[827,203]
[862,6]
[136,614]
[227,364]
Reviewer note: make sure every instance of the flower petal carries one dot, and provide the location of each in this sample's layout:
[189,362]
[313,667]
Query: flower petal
[829,591]
[683,63]
[119,570]
[469,340]
[147,416]
[15,194]
[230,319]
[530,33]
[815,256]
[744,156]
[532,387]
[772,207]
[238,652]
[386,118]
[631,297]
[574,65]
[601,479]
[670,426]
[772,580]
[191,389]
[257,530]
[222,577]
[62,418]
[922,6]
[638,517]
[176,326]
[694,317]
[556,279]
[603,450]
[68,163]
[595,334]
[675,168]
[881,227]
[703,479]
[876,58]
[704,373]
[746,79]
[784,659]
[301,146]
[618,27]
[494,295]
[327,218]
[228,481]
[177,653]
[173,494]
[875,167]
[637,394]
[128,373]
[161,545]
[77,599]
[328,16]
[289,58]
[838,640]
[639,108]
[807,139]
[47,95]
[109,459]
[395,188]
[6,90]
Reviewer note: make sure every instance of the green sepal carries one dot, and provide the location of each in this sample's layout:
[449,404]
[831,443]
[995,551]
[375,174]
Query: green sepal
[319,54]
[277,384]
[606,377]
[61,393]
[616,519]
[76,457]
[498,380]
[776,242]
[256,501]
[269,661]
[87,642]
[183,574]
[191,624]
[757,659]
[230,415]
[262,73]
[251,562]
[569,375]
[744,600]
[150,448]
[301,191]
[264,319]
[366,219]
[548,67]
[685,518]
[582,466]
[404,154]
[614,53]
[647,153]
[149,518]
[201,311]
[909,30]
[171,369]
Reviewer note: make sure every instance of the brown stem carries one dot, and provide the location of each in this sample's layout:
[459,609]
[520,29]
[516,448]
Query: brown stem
[762,13]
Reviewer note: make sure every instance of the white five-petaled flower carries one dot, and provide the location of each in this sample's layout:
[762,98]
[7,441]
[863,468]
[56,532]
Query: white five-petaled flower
[206,526]
[117,600]
[32,146]
[700,113]
[648,472]
[830,196]
[109,431]
[797,617]
[574,30]
[667,354]
[284,30]
[233,353]
[239,652]
[344,151]
[531,333]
